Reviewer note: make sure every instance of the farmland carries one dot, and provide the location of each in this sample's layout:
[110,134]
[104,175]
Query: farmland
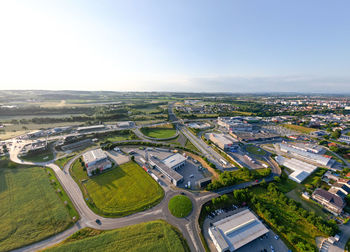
[120,191]
[22,221]
[150,236]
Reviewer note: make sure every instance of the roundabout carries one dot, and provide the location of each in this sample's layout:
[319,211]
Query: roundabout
[180,206]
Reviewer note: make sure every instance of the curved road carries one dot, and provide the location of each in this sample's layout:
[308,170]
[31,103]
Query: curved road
[188,226]
[87,217]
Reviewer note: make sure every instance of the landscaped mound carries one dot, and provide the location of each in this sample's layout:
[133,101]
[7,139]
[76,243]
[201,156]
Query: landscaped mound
[180,206]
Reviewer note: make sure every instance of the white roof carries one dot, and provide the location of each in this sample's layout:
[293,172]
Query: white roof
[301,169]
[239,229]
[94,155]
[174,160]
[221,138]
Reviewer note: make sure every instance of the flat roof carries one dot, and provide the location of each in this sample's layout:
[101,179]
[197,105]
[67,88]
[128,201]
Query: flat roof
[165,169]
[100,126]
[174,160]
[238,229]
[94,155]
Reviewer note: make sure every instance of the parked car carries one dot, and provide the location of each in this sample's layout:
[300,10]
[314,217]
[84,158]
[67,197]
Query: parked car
[277,237]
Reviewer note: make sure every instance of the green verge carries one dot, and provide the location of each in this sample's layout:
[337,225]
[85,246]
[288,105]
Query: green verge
[62,194]
[120,191]
[255,150]
[180,206]
[30,209]
[63,161]
[150,236]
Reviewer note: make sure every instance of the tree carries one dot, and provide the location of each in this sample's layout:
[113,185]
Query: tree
[336,134]
[277,179]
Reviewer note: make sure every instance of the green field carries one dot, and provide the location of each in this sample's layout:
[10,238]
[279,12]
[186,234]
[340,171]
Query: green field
[44,156]
[30,209]
[120,191]
[255,150]
[158,132]
[119,136]
[151,236]
[180,206]
[299,128]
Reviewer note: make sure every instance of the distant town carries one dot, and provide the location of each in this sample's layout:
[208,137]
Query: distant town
[197,171]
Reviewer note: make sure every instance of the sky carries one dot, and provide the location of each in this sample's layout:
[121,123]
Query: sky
[182,45]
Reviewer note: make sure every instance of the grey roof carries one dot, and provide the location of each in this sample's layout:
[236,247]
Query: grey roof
[330,197]
[174,160]
[240,229]
[165,169]
[342,186]
[305,154]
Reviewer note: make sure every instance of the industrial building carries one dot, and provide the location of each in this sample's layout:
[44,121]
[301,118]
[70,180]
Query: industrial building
[332,202]
[91,128]
[301,170]
[234,124]
[222,141]
[126,124]
[168,166]
[307,155]
[254,136]
[96,160]
[233,232]
[197,125]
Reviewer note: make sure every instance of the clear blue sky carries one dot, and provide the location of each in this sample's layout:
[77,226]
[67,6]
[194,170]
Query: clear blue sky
[182,45]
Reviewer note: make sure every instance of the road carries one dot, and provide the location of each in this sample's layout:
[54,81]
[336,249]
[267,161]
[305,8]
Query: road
[88,218]
[188,226]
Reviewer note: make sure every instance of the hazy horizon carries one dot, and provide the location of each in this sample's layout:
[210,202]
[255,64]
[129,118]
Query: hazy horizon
[182,46]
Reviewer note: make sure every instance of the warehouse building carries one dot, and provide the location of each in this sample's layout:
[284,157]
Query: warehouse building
[91,128]
[307,155]
[96,160]
[233,232]
[301,170]
[222,141]
[234,124]
[168,166]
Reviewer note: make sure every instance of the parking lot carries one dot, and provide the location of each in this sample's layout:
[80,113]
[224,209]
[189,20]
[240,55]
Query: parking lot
[266,243]
[192,172]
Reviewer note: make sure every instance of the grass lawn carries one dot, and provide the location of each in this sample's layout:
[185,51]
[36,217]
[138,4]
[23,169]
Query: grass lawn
[119,136]
[190,146]
[30,209]
[254,150]
[150,236]
[158,132]
[63,161]
[180,206]
[44,156]
[120,191]
[299,128]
